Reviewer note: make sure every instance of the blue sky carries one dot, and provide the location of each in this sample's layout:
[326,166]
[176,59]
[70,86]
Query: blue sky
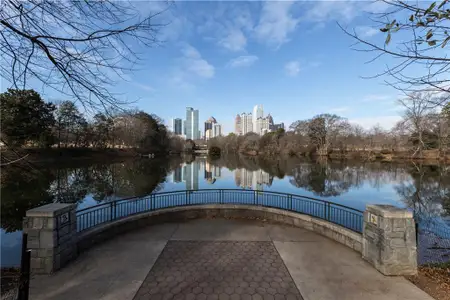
[225,57]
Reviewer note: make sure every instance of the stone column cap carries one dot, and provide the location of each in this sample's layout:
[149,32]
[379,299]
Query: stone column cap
[389,211]
[50,210]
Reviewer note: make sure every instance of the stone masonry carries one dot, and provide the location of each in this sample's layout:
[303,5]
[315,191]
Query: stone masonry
[389,240]
[52,236]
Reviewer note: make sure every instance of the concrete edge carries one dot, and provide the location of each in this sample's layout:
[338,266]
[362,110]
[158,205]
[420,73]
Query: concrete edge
[88,238]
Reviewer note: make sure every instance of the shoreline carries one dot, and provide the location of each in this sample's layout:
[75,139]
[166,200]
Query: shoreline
[55,155]
[429,156]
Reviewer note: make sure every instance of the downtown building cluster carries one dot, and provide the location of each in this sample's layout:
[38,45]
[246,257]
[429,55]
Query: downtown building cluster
[255,122]
[190,129]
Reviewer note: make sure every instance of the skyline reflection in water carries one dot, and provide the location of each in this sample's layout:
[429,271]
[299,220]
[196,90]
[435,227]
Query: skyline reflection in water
[422,187]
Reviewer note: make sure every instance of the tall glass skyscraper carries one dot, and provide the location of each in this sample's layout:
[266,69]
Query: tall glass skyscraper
[258,112]
[191,126]
[177,126]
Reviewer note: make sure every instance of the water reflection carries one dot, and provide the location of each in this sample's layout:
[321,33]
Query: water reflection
[423,187]
[23,189]
[254,180]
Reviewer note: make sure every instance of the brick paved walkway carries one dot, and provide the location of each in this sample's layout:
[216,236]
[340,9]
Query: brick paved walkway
[221,259]
[218,270]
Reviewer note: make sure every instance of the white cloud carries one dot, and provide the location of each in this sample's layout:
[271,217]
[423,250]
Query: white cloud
[292,68]
[234,41]
[242,61]
[366,31]
[193,63]
[323,11]
[276,23]
[387,122]
[342,11]
[190,67]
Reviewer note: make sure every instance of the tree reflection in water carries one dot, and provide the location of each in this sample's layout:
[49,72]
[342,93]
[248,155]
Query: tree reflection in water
[422,187]
[23,189]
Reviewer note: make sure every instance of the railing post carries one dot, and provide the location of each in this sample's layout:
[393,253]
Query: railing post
[389,240]
[152,200]
[329,211]
[221,196]
[23,293]
[290,202]
[52,236]
[24,282]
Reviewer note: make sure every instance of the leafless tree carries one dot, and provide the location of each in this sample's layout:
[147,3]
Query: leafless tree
[417,107]
[425,32]
[78,48]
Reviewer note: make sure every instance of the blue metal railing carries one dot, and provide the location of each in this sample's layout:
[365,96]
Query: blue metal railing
[345,216]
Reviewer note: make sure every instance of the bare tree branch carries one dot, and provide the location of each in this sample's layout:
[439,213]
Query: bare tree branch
[78,48]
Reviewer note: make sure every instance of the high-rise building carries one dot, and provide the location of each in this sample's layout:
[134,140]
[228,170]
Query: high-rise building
[262,124]
[238,125]
[275,127]
[258,112]
[209,124]
[191,124]
[177,126]
[216,130]
[208,134]
[247,123]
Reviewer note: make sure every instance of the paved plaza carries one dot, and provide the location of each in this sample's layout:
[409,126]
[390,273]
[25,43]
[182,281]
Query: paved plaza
[219,270]
[222,259]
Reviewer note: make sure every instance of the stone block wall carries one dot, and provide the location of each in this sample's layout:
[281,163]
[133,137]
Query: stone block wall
[52,236]
[389,240]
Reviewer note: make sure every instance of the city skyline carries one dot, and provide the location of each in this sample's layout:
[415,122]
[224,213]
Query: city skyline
[254,121]
[259,57]
[191,175]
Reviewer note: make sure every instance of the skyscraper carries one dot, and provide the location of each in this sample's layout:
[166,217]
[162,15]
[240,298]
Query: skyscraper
[216,130]
[262,125]
[258,112]
[246,123]
[209,124]
[191,125]
[238,125]
[177,126]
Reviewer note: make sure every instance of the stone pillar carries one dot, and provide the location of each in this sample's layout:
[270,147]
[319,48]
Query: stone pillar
[389,240]
[51,233]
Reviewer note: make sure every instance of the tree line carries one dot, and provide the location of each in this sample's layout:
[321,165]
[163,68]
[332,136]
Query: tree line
[422,132]
[22,191]
[29,121]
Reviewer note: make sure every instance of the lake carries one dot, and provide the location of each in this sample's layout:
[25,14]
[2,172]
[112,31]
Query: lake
[423,187]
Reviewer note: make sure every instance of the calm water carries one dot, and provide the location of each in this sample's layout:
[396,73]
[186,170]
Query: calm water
[425,188]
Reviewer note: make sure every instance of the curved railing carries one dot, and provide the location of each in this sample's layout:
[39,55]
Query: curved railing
[345,216]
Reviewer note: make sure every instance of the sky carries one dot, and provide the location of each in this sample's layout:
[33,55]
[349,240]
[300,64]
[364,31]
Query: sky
[225,57]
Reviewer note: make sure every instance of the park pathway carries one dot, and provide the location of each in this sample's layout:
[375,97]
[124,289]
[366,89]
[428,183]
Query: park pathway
[222,259]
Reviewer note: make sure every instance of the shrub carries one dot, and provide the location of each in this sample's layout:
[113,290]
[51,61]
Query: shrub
[214,151]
